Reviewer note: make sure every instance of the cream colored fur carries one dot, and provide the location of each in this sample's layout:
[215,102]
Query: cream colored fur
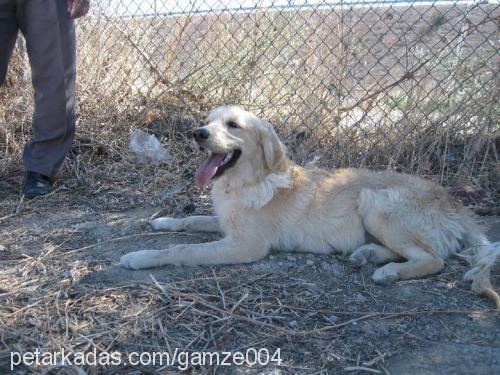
[265,201]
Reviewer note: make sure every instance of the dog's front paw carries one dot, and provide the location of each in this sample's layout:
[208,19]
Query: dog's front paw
[167,223]
[139,259]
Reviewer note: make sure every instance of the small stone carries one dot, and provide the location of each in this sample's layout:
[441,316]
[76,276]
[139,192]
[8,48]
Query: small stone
[309,262]
[291,258]
[359,298]
[36,230]
[71,183]
[67,273]
[333,319]
[3,248]
[293,323]
[334,269]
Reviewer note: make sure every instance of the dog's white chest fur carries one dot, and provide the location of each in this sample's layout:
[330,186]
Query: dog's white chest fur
[253,196]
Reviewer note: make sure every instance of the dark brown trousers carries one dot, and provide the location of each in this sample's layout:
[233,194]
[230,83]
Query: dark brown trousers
[50,42]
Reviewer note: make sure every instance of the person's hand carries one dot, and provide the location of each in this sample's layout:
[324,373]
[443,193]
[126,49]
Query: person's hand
[78,8]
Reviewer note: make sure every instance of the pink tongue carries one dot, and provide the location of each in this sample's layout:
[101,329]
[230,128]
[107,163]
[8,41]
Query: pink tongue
[208,169]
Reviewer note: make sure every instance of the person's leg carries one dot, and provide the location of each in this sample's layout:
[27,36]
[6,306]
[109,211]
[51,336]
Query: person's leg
[8,35]
[50,41]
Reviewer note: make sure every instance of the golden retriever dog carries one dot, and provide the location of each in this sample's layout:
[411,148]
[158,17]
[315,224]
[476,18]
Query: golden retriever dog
[263,200]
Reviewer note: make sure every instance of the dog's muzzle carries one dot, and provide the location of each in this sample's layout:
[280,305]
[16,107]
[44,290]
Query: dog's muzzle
[200,135]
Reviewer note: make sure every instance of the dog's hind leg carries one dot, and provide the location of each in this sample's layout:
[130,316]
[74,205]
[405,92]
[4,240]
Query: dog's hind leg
[399,223]
[372,253]
[419,264]
[189,224]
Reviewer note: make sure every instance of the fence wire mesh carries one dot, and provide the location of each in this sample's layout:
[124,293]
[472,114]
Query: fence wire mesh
[412,86]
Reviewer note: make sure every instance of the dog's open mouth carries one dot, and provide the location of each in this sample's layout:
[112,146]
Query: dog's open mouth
[215,166]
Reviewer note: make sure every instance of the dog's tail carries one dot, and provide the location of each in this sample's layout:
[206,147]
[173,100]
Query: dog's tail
[482,255]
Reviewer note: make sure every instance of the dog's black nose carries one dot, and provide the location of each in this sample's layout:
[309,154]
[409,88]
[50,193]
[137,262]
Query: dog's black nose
[201,134]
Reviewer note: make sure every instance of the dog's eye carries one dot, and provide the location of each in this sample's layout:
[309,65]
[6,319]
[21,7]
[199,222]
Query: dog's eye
[232,124]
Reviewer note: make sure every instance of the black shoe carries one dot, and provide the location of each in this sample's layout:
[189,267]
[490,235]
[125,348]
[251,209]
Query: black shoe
[36,184]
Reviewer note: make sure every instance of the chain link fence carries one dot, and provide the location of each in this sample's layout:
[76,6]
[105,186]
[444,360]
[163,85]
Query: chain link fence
[412,86]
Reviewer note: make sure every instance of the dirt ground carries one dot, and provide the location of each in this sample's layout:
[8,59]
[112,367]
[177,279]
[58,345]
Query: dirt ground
[61,286]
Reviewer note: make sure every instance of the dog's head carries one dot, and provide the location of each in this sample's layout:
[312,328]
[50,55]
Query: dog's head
[239,144]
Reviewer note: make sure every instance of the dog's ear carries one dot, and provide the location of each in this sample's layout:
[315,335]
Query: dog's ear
[274,149]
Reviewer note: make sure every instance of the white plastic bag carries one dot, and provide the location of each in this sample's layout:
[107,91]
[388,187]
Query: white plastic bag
[147,148]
